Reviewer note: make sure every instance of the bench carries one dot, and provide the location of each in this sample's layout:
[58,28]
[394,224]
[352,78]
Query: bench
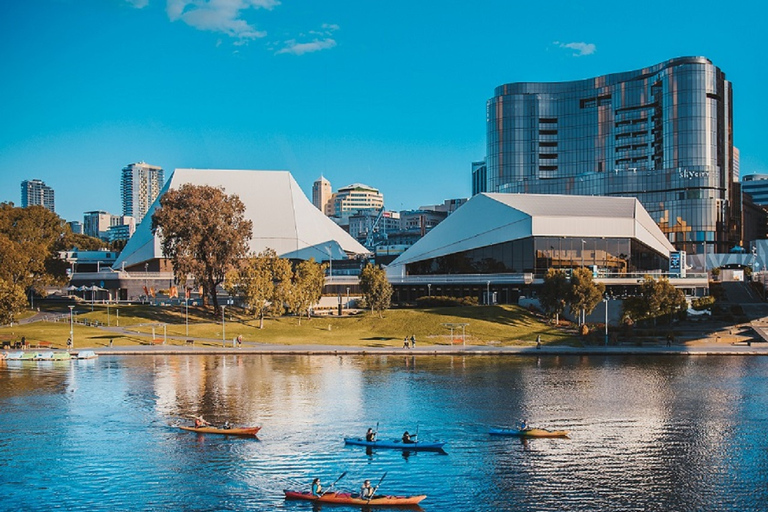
[190,342]
[44,344]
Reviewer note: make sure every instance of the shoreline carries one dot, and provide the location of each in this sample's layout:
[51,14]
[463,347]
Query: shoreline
[756,349]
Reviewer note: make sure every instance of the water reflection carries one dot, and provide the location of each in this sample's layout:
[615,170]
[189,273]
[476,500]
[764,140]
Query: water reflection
[651,433]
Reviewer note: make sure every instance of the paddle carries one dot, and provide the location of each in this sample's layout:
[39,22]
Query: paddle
[377,487]
[334,483]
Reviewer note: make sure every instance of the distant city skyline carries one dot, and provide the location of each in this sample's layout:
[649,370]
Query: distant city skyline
[392,95]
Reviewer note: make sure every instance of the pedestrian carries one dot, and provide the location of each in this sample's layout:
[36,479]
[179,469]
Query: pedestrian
[69,343]
[538,342]
[413,341]
[23,342]
[110,342]
[239,340]
[405,342]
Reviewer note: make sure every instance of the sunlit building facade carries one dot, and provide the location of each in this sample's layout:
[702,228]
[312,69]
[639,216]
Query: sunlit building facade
[37,193]
[662,134]
[139,187]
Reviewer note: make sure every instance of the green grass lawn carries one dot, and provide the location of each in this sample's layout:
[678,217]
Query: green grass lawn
[495,325]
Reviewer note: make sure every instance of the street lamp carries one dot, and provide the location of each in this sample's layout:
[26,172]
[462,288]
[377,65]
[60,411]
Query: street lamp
[605,300]
[347,297]
[429,289]
[223,329]
[487,293]
[71,335]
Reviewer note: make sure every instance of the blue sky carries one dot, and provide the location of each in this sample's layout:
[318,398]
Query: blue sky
[391,94]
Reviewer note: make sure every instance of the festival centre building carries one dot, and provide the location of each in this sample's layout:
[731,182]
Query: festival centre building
[498,247]
[283,220]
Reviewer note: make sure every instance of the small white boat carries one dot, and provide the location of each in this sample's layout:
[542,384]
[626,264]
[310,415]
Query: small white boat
[87,354]
[43,356]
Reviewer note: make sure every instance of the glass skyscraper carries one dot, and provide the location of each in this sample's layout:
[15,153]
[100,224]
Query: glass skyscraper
[662,134]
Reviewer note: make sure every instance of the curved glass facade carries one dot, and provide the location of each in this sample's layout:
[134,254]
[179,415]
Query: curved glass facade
[662,134]
[613,256]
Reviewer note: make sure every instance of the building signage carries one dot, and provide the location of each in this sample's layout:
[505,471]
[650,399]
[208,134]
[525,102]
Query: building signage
[677,264]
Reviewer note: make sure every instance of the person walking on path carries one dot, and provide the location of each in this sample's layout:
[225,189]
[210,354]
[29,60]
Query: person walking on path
[239,340]
[405,342]
[413,341]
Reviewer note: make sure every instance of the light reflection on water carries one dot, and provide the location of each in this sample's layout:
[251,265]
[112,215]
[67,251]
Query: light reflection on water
[647,433]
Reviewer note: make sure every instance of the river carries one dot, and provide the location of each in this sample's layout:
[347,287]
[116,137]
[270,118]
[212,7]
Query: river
[647,433]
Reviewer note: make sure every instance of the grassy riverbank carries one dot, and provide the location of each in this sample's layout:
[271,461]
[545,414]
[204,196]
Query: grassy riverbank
[133,325]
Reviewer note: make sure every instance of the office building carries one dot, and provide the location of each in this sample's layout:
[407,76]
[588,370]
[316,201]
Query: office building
[37,193]
[662,134]
[76,226]
[140,185]
[96,223]
[353,198]
[321,194]
[756,185]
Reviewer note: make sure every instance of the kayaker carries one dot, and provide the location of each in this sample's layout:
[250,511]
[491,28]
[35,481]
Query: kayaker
[366,491]
[317,489]
[370,436]
[200,422]
[407,438]
[524,425]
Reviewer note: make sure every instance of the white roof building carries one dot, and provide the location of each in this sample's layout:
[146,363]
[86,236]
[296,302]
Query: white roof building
[490,219]
[283,218]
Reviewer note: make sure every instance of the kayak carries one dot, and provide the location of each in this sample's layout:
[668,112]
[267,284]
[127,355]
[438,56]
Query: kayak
[346,498]
[529,432]
[397,445]
[233,431]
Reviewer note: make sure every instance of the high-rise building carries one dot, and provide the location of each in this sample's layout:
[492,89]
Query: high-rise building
[756,185]
[321,194]
[37,193]
[96,223]
[353,198]
[662,134]
[139,187]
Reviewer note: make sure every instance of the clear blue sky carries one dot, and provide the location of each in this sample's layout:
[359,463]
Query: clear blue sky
[387,93]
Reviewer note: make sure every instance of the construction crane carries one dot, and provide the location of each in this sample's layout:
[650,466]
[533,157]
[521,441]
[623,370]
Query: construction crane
[369,237]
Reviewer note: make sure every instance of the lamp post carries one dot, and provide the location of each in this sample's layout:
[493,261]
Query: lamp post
[347,297]
[583,243]
[429,289]
[223,329]
[186,311]
[71,330]
[605,300]
[487,293]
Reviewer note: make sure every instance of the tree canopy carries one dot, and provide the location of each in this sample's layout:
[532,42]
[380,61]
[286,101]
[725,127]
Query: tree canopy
[204,234]
[585,294]
[553,294]
[30,241]
[375,288]
[308,281]
[656,299]
[261,281]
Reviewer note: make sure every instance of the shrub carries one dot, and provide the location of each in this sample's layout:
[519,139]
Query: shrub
[443,301]
[702,303]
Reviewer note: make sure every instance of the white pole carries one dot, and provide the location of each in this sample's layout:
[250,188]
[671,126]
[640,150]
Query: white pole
[606,321]
[186,314]
[223,329]
[71,335]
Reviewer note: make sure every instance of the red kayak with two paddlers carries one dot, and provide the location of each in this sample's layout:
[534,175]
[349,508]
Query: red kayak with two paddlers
[345,498]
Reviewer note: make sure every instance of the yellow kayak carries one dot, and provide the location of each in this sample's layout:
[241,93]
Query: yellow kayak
[528,432]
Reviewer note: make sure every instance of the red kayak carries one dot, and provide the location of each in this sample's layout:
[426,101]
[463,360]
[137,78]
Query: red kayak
[232,431]
[346,498]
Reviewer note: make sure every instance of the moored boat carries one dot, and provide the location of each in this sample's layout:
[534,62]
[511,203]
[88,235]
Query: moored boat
[345,498]
[86,354]
[231,431]
[528,432]
[395,445]
[61,356]
[43,356]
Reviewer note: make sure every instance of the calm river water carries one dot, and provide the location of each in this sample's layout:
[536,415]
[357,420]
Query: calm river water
[647,433]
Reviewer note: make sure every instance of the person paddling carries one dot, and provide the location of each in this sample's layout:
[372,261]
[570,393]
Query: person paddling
[407,438]
[370,436]
[317,488]
[200,422]
[524,425]
[366,491]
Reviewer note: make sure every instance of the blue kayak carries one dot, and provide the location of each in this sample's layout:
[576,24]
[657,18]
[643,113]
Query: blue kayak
[396,445]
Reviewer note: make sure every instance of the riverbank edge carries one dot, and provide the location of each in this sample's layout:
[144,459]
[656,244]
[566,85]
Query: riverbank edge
[740,350]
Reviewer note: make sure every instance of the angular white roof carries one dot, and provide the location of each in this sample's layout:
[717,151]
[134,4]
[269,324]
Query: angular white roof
[493,218]
[283,218]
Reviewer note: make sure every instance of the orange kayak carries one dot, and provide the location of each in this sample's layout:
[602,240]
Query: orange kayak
[529,432]
[233,431]
[346,498]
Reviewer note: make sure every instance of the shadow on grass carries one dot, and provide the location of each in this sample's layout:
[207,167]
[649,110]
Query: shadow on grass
[380,338]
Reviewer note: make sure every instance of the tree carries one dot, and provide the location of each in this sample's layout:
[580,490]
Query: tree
[265,282]
[553,294]
[30,241]
[204,234]
[375,288]
[655,299]
[308,282]
[584,293]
